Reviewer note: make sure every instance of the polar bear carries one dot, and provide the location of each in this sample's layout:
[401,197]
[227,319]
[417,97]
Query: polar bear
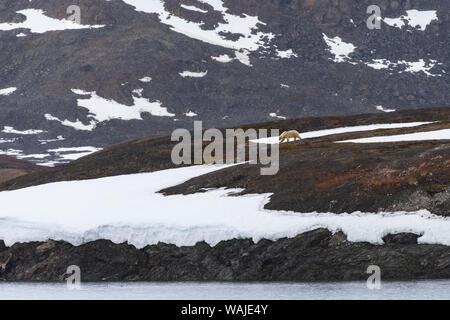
[290,134]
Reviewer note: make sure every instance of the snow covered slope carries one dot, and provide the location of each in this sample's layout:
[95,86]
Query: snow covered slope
[37,22]
[128,208]
[327,132]
[443,134]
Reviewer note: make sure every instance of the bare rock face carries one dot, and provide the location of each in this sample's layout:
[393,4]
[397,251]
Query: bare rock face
[313,256]
[401,238]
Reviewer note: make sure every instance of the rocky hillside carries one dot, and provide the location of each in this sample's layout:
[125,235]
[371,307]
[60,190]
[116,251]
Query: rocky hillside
[346,178]
[322,173]
[316,174]
[132,68]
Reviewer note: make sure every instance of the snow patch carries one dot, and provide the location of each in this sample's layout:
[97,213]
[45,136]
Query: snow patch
[77,125]
[379,64]
[340,49]
[443,134]
[420,66]
[328,132]
[287,54]
[11,152]
[35,156]
[190,114]
[7,91]
[73,153]
[412,67]
[275,115]
[243,57]
[146,79]
[414,18]
[11,130]
[380,108]
[243,25]
[247,27]
[65,155]
[101,109]
[59,155]
[76,149]
[224,58]
[192,8]
[37,22]
[58,138]
[138,92]
[191,74]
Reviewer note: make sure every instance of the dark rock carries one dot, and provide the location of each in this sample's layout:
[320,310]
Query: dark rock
[339,238]
[50,244]
[87,68]
[401,238]
[317,255]
[2,246]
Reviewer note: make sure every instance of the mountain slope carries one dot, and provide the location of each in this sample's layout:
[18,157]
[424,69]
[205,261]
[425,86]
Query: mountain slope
[135,67]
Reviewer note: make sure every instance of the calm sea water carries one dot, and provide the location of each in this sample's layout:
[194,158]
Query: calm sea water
[438,289]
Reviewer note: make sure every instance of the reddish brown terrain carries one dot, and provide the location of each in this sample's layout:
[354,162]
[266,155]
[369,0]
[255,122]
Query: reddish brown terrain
[11,168]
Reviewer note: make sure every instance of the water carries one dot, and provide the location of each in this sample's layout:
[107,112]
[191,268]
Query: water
[436,289]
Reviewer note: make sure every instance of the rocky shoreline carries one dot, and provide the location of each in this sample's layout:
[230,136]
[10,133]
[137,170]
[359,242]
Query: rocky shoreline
[317,255]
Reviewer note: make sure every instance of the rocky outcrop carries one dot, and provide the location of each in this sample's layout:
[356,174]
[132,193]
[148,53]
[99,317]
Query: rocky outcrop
[318,255]
[401,238]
